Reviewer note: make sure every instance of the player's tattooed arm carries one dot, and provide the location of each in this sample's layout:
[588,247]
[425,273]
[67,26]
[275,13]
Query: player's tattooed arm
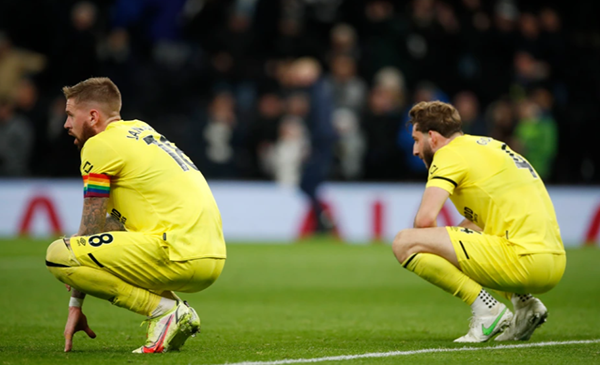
[112,224]
[93,218]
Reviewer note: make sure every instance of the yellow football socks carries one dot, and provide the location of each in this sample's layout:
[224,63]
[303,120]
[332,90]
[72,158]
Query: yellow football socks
[441,273]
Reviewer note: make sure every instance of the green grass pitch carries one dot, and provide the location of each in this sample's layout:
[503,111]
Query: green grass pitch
[301,301]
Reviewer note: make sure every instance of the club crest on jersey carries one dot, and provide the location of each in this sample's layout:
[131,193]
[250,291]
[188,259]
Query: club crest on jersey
[87,167]
[469,231]
[483,141]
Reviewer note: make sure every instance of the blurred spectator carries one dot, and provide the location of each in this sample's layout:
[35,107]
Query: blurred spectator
[349,90]
[351,145]
[380,124]
[381,37]
[472,16]
[344,42]
[447,18]
[26,100]
[117,61]
[264,130]
[15,64]
[536,136]
[284,157]
[530,34]
[171,56]
[218,137]
[467,105]
[16,140]
[552,38]
[529,73]
[289,151]
[305,75]
[56,120]
[553,45]
[392,79]
[292,41]
[475,26]
[29,105]
[61,156]
[433,31]
[157,20]
[500,120]
[75,57]
[506,15]
[499,50]
[233,48]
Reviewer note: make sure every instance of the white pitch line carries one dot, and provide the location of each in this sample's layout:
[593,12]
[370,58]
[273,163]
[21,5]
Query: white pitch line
[414,352]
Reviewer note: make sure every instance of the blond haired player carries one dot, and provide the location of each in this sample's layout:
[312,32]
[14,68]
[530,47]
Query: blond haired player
[509,240]
[150,225]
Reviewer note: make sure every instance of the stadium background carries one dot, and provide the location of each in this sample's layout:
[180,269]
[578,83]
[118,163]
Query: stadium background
[216,78]
[211,76]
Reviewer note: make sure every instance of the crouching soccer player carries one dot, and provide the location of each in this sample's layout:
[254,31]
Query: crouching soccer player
[163,230]
[509,240]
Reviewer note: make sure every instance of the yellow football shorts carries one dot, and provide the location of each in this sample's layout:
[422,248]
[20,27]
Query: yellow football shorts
[492,262]
[143,261]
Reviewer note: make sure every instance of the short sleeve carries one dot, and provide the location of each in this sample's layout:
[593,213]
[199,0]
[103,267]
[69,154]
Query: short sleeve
[99,162]
[447,170]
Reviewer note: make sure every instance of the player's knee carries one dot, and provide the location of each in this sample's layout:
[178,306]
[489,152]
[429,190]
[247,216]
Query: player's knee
[206,272]
[57,253]
[403,246]
[58,258]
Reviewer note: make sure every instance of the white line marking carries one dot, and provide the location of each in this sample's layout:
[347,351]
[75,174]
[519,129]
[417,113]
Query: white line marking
[414,352]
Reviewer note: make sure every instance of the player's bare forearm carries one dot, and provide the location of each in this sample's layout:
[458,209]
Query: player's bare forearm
[431,204]
[421,222]
[93,217]
[470,225]
[112,224]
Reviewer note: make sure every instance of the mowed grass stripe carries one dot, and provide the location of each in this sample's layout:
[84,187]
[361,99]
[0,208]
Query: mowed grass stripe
[413,352]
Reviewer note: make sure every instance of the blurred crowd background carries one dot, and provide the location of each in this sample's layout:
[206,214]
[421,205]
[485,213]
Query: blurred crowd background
[302,91]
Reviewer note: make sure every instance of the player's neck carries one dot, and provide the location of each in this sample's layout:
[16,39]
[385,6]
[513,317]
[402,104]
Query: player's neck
[114,118]
[445,141]
[455,135]
[103,124]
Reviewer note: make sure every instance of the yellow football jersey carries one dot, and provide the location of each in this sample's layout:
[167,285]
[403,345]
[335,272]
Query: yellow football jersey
[153,188]
[498,190]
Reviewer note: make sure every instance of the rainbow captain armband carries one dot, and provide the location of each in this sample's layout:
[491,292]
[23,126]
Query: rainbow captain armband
[96,186]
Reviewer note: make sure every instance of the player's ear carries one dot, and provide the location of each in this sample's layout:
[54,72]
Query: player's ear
[433,138]
[94,116]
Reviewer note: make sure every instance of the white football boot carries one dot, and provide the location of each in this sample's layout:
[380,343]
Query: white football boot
[482,328]
[194,321]
[170,331]
[529,315]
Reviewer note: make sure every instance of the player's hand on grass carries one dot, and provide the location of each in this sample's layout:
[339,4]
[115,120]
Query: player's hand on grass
[76,322]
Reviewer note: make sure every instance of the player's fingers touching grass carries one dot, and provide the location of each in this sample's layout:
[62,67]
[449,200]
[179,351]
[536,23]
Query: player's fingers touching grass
[77,321]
